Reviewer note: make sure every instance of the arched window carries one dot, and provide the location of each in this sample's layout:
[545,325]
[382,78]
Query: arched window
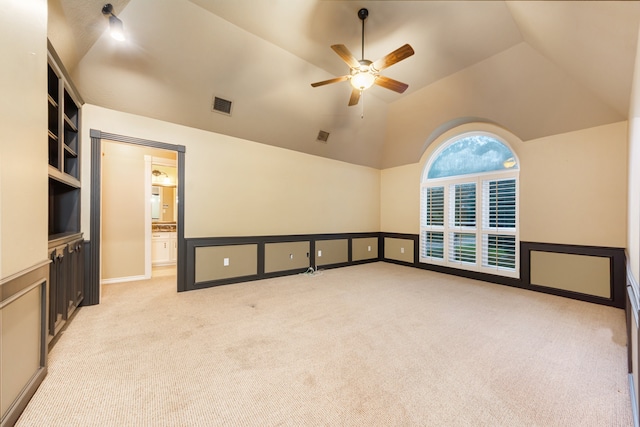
[469,206]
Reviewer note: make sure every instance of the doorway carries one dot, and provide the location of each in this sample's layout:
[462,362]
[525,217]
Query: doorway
[92,280]
[161,221]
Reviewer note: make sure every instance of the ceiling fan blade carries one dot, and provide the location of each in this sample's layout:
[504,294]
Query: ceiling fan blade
[334,80]
[396,56]
[355,97]
[346,56]
[391,84]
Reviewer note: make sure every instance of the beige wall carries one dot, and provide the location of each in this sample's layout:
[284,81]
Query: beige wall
[23,145]
[573,187]
[400,199]
[236,187]
[23,190]
[633,210]
[633,217]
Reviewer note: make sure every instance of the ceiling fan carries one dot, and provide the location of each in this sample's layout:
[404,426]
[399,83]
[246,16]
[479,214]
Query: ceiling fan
[364,73]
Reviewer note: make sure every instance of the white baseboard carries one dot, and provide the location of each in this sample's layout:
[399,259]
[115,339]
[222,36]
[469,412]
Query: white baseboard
[124,279]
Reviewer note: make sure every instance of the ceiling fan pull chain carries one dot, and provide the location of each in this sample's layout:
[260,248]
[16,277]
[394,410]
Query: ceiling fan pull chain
[362,96]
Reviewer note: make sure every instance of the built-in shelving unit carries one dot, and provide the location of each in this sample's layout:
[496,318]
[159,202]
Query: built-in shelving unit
[66,244]
[64,122]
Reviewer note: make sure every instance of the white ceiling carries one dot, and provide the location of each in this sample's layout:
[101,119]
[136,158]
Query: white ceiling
[535,68]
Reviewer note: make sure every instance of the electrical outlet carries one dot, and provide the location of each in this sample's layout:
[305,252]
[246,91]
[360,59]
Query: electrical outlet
[368,248]
[290,256]
[401,250]
[319,253]
[225,262]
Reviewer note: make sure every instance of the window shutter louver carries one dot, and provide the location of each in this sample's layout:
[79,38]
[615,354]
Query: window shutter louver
[499,216]
[499,210]
[499,251]
[433,244]
[462,246]
[463,205]
[432,216]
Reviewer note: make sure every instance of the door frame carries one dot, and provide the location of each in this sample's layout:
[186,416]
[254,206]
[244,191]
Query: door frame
[92,282]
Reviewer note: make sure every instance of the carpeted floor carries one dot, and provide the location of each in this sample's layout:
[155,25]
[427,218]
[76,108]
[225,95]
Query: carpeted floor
[369,345]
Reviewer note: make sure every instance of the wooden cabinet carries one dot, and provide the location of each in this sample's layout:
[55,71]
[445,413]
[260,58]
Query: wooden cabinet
[66,280]
[66,244]
[164,248]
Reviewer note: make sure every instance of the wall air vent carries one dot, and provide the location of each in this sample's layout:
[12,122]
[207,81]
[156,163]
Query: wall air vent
[323,136]
[221,106]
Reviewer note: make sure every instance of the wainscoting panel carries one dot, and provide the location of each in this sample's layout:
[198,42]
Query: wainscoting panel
[23,331]
[330,252]
[286,256]
[364,248]
[589,273]
[399,249]
[224,262]
[577,273]
[262,257]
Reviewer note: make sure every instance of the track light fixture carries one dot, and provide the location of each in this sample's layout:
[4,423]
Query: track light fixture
[116,28]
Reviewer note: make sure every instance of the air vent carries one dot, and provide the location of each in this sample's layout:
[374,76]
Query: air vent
[222,106]
[323,136]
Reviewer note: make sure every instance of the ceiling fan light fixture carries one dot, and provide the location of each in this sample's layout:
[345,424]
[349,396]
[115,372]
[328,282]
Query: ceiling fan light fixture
[362,80]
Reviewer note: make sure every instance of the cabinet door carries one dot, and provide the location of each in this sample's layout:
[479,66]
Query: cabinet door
[160,251]
[174,250]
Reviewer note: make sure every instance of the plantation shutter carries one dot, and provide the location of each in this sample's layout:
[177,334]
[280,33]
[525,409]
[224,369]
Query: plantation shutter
[433,206]
[462,247]
[499,218]
[432,244]
[499,200]
[432,217]
[462,212]
[463,205]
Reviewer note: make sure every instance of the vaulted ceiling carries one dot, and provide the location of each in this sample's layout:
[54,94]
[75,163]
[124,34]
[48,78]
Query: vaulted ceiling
[535,68]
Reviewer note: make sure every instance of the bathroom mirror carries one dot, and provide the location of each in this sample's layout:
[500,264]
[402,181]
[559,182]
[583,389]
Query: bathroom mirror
[163,204]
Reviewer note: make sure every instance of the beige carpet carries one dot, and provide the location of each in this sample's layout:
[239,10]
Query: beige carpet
[368,345]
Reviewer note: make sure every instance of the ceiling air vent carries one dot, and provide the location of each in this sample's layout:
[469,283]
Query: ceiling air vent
[323,136]
[222,106]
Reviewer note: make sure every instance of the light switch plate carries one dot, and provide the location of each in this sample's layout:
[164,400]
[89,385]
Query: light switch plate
[226,262]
